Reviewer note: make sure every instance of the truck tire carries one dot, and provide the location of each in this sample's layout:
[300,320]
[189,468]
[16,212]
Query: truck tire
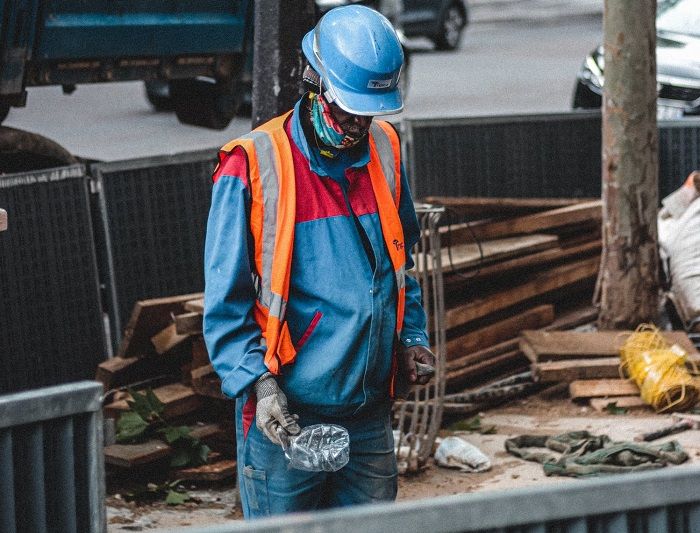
[158,95]
[4,110]
[23,151]
[206,102]
[452,24]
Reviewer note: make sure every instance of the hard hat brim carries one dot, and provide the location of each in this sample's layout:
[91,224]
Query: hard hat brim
[381,102]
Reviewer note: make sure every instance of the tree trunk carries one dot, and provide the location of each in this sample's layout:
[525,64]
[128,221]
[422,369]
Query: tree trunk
[629,268]
[278,60]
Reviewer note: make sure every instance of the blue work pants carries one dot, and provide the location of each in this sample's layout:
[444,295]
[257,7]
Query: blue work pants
[268,486]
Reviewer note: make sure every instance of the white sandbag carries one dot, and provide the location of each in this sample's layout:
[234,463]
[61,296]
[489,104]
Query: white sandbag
[679,239]
[454,452]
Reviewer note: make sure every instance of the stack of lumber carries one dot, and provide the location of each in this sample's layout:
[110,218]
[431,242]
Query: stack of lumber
[590,363]
[517,264]
[162,349]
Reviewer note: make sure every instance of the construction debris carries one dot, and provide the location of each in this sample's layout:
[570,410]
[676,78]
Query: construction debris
[164,353]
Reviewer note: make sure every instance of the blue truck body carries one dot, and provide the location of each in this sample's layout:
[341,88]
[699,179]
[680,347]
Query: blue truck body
[69,42]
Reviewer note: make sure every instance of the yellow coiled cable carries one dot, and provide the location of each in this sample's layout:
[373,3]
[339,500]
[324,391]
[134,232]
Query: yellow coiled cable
[659,370]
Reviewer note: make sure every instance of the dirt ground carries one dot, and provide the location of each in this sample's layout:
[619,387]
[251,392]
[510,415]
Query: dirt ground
[535,415]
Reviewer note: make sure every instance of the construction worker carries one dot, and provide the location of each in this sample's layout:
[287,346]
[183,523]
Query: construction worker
[309,317]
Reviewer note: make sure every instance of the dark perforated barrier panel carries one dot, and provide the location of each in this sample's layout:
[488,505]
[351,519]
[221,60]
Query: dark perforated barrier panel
[154,214]
[679,153]
[530,156]
[51,328]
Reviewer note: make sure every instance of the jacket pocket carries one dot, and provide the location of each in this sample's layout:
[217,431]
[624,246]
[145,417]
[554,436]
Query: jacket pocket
[256,496]
[309,330]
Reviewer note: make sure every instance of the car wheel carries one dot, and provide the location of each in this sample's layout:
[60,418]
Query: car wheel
[451,26]
[205,102]
[158,94]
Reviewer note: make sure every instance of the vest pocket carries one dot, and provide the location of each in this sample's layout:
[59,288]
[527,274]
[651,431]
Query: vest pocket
[256,495]
[309,330]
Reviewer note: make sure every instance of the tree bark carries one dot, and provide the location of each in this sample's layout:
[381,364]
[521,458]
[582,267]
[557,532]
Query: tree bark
[278,60]
[629,268]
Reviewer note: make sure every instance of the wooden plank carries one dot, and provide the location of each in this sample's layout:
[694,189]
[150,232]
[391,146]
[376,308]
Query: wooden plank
[469,255]
[195,306]
[217,471]
[131,455]
[503,330]
[558,345]
[147,319]
[200,355]
[570,370]
[179,400]
[3,220]
[540,283]
[627,402]
[537,223]
[167,339]
[478,207]
[206,382]
[592,388]
[469,373]
[485,271]
[118,372]
[482,355]
[188,323]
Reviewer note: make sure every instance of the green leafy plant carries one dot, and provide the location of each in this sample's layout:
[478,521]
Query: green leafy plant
[473,425]
[144,420]
[613,409]
[171,491]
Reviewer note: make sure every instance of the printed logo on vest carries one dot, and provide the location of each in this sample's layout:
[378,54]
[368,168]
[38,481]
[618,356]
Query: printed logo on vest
[399,245]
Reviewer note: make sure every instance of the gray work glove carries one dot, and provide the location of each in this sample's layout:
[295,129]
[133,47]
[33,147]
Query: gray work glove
[271,413]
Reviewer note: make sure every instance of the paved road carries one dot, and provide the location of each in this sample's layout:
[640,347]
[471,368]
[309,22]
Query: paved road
[523,63]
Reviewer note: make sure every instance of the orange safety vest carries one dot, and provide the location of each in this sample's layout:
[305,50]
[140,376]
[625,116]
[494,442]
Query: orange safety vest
[273,214]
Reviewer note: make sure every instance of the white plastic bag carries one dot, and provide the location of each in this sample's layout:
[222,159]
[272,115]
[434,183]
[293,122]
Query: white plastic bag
[454,452]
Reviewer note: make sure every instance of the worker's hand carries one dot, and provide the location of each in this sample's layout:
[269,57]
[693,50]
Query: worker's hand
[416,365]
[271,413]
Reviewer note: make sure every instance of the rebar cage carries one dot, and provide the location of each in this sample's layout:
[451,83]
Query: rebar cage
[417,419]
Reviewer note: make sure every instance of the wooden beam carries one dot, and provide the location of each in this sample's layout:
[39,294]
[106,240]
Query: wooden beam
[497,332]
[179,400]
[537,223]
[557,345]
[217,471]
[195,306]
[460,377]
[131,455]
[167,339]
[626,402]
[573,369]
[474,208]
[206,382]
[470,255]
[593,388]
[3,220]
[189,323]
[538,284]
[484,271]
[148,318]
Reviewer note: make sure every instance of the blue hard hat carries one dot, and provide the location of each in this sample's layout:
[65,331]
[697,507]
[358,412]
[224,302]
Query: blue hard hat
[359,57]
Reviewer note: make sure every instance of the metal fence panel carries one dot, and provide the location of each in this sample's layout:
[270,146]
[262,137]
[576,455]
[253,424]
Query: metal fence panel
[153,214]
[549,156]
[51,328]
[51,465]
[660,501]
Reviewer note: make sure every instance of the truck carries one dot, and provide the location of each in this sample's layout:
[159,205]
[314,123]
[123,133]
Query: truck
[199,49]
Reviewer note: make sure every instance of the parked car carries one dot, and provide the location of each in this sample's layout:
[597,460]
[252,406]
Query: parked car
[677,65]
[442,21]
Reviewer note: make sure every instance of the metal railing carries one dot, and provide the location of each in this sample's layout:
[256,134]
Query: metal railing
[660,501]
[51,463]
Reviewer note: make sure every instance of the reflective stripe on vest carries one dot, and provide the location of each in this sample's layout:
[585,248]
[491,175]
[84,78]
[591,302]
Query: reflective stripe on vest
[273,216]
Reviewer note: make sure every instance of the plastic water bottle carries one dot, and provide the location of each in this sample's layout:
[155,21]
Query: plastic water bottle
[319,448]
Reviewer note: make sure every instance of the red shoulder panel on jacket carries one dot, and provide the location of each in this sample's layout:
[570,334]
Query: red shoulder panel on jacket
[233,164]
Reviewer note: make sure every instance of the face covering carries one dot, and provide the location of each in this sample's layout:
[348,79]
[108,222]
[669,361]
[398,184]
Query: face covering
[327,129]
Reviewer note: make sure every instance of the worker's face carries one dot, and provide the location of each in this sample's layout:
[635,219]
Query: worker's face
[354,125]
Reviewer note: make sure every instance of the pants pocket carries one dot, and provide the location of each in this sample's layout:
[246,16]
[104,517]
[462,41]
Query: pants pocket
[255,488]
